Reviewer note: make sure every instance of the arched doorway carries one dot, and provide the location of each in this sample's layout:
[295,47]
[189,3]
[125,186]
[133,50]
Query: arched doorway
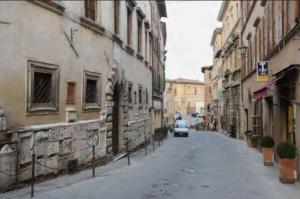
[115,121]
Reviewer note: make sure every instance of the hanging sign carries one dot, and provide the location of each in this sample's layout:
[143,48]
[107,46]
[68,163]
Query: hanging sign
[262,71]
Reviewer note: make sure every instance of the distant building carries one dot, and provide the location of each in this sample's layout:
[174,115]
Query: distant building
[209,114]
[184,96]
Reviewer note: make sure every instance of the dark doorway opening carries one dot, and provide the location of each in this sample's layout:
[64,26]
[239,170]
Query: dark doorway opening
[115,121]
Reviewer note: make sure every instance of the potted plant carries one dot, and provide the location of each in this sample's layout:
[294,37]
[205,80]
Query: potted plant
[267,144]
[287,153]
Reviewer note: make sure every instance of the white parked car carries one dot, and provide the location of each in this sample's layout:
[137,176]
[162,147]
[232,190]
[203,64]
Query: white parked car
[181,128]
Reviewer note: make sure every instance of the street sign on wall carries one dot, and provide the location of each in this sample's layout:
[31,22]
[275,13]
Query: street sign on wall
[262,69]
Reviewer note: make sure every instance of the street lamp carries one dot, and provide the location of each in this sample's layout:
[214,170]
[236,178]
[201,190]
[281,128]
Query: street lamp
[243,49]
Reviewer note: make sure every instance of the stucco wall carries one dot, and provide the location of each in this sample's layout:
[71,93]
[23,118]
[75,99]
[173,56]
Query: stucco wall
[36,33]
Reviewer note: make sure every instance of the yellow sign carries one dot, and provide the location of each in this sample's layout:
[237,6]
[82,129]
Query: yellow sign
[262,71]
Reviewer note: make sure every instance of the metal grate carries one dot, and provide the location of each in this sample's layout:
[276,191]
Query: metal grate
[42,88]
[91,91]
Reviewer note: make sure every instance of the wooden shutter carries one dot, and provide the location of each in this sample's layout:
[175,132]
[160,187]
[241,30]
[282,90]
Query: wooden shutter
[71,93]
[90,10]
[117,15]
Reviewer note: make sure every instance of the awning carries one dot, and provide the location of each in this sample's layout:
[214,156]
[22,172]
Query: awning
[262,92]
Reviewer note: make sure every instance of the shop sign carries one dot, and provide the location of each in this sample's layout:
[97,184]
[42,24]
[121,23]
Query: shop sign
[262,71]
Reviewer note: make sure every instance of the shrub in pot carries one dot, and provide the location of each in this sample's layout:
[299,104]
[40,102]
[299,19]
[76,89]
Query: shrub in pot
[287,153]
[267,144]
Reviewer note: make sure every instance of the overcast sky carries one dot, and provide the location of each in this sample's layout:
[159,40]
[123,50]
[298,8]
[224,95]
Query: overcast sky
[190,26]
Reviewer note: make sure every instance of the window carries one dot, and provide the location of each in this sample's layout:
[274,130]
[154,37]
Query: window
[140,96]
[91,91]
[117,16]
[146,44]
[195,91]
[42,85]
[135,100]
[70,93]
[147,97]
[129,25]
[130,93]
[139,38]
[90,9]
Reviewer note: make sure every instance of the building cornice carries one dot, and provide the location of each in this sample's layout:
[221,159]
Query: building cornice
[223,9]
[214,36]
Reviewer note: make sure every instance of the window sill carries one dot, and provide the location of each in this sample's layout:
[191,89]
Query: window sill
[92,25]
[140,57]
[42,110]
[117,39]
[50,5]
[129,50]
[91,108]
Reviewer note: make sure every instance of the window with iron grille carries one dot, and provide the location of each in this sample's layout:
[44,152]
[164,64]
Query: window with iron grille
[130,93]
[42,95]
[139,36]
[91,91]
[90,9]
[129,25]
[140,96]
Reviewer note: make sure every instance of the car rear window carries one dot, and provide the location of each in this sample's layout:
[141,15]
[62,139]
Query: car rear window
[181,126]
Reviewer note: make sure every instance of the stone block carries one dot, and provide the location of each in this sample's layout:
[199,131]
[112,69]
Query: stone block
[109,104]
[66,146]
[25,147]
[8,165]
[109,126]
[66,132]
[109,141]
[109,149]
[51,163]
[109,110]
[109,134]
[54,134]
[53,148]
[40,149]
[109,118]
[93,126]
[41,136]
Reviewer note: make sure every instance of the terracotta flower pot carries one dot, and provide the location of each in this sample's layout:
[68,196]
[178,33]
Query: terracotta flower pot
[287,168]
[268,156]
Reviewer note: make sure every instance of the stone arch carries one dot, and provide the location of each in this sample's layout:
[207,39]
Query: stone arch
[116,78]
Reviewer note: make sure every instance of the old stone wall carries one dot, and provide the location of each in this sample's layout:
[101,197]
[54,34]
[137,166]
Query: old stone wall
[139,131]
[54,146]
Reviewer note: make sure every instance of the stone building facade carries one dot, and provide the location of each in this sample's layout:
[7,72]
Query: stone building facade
[184,96]
[229,16]
[208,102]
[217,76]
[158,37]
[73,71]
[270,31]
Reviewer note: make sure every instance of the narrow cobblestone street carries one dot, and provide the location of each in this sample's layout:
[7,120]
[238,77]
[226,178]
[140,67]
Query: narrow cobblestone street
[204,165]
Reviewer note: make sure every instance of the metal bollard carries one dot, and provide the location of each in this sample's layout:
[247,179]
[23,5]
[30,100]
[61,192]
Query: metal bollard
[153,144]
[128,153]
[145,142]
[93,161]
[32,175]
